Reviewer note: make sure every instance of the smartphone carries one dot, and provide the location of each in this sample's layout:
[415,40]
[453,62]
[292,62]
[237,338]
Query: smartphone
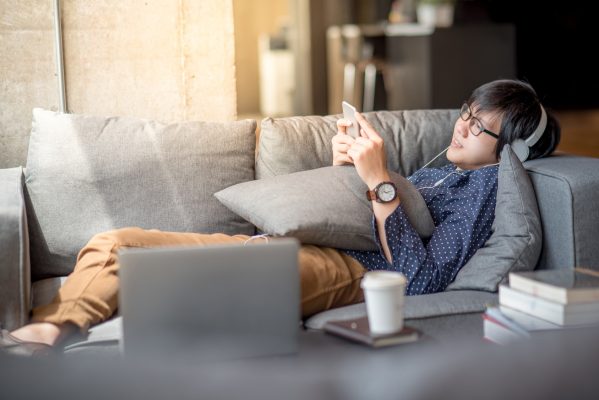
[349,113]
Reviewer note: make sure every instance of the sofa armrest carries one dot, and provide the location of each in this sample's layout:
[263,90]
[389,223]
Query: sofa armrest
[567,190]
[15,275]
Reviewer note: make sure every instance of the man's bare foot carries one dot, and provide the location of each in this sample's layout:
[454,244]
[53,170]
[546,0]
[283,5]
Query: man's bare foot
[44,332]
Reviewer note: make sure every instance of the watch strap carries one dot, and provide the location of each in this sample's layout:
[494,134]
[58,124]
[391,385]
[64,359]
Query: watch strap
[371,195]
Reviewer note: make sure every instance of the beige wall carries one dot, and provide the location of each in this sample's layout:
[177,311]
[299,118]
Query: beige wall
[253,17]
[162,59]
[26,73]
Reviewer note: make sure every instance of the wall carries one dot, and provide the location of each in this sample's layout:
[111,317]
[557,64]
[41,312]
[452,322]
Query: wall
[580,132]
[162,59]
[26,73]
[253,17]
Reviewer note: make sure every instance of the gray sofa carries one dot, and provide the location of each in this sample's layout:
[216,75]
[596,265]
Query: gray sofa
[85,175]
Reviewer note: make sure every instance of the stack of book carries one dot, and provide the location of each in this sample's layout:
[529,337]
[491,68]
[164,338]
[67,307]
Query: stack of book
[543,300]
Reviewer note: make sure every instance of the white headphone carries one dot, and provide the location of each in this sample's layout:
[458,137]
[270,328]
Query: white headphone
[437,156]
[522,147]
[440,181]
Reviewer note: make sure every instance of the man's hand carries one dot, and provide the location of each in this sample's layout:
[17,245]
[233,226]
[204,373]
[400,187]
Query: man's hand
[341,143]
[368,154]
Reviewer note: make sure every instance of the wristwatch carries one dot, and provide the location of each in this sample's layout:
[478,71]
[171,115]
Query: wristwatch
[384,192]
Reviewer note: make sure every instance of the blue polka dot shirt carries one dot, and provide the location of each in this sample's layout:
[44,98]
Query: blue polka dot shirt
[462,205]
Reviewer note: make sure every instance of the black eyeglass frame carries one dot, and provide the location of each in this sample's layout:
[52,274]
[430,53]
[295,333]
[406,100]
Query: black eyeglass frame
[479,125]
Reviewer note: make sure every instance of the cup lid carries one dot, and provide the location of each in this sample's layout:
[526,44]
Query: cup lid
[382,279]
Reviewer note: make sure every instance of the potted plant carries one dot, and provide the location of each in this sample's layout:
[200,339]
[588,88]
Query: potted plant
[438,13]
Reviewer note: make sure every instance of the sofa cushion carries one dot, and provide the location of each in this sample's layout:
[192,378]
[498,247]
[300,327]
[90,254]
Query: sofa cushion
[515,243]
[107,332]
[412,138]
[88,174]
[419,306]
[103,341]
[324,206]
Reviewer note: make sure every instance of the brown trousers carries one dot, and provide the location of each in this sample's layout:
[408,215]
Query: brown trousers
[329,278]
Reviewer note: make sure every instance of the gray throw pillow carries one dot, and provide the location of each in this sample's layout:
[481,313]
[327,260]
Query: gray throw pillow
[325,206]
[515,244]
[88,174]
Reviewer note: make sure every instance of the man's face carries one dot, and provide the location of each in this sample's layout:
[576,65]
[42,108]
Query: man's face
[470,151]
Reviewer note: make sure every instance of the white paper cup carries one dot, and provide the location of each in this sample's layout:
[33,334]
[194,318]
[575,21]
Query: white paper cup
[384,295]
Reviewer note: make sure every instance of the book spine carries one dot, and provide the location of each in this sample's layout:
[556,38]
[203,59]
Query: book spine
[497,315]
[527,321]
[538,289]
[498,333]
[560,314]
[553,293]
[531,305]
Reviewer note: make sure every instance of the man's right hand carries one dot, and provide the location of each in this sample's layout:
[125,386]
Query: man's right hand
[341,143]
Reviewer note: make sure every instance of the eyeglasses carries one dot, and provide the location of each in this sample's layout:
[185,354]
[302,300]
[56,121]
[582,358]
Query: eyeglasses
[476,127]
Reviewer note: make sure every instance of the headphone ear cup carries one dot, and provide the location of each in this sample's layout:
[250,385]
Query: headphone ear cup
[520,148]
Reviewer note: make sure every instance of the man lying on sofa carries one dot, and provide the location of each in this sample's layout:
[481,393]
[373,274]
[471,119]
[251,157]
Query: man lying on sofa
[460,196]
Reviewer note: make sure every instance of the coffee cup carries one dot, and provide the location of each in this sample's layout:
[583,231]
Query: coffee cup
[384,296]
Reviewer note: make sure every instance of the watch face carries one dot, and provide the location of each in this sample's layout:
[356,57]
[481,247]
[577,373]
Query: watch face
[386,192]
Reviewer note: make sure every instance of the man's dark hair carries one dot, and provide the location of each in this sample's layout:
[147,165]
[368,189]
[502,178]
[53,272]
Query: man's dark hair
[520,110]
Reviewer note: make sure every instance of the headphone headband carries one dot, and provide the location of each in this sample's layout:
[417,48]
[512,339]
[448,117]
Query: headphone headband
[536,135]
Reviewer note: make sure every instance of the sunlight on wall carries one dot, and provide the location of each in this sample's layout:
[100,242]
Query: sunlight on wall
[164,60]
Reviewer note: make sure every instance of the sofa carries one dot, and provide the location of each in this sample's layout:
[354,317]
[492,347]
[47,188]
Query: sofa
[88,174]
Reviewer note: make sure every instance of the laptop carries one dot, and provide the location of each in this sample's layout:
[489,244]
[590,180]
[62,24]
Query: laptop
[208,303]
